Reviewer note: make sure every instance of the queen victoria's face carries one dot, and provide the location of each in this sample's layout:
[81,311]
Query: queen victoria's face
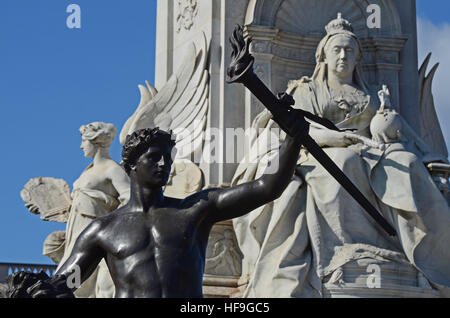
[342,55]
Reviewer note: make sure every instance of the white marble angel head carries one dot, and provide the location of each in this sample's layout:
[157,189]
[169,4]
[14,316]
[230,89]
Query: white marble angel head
[96,135]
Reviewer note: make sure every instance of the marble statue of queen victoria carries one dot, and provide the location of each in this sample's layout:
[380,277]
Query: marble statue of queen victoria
[315,234]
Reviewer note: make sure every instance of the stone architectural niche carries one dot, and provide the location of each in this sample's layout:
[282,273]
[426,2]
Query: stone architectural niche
[286,34]
[293,56]
[309,17]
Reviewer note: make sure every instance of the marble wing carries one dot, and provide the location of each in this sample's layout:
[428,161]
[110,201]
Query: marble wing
[430,129]
[181,105]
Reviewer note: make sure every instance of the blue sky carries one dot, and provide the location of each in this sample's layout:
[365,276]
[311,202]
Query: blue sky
[434,10]
[54,79]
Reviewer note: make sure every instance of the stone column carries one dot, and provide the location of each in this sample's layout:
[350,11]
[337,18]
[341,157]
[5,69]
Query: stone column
[179,23]
[409,79]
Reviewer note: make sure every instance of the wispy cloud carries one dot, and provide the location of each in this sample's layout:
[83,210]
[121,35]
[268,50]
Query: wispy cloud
[435,38]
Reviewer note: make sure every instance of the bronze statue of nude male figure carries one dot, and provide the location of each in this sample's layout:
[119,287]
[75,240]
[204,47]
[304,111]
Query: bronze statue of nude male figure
[155,246]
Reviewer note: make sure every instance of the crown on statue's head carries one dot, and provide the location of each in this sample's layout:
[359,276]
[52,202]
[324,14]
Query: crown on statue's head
[339,25]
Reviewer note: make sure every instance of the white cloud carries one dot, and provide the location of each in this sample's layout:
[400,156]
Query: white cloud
[436,39]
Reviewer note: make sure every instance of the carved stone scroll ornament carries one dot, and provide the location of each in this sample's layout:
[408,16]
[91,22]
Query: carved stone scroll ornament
[48,197]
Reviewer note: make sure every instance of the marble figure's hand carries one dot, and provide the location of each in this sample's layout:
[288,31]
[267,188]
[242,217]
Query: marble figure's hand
[331,138]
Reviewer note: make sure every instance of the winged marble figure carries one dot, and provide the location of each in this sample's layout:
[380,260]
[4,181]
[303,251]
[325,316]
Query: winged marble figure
[430,128]
[181,105]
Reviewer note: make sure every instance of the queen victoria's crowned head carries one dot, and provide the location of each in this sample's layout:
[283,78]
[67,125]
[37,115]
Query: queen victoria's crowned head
[340,52]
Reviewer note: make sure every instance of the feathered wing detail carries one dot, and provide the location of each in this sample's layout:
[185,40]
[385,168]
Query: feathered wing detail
[147,93]
[430,129]
[181,105]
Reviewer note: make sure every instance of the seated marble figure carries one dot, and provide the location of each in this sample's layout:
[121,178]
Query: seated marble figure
[155,246]
[315,236]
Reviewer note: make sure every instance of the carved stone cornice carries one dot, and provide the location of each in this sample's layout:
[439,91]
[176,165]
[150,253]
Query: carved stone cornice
[392,44]
[299,50]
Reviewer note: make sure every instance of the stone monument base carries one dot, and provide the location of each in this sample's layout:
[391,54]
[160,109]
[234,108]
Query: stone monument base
[393,280]
[387,291]
[222,287]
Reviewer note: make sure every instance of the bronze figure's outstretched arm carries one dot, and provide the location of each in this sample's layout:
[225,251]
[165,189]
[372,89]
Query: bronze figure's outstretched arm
[86,254]
[242,199]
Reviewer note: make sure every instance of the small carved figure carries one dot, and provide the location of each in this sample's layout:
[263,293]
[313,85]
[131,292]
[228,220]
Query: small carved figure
[187,11]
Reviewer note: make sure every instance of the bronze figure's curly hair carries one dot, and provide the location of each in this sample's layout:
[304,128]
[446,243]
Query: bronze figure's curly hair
[138,143]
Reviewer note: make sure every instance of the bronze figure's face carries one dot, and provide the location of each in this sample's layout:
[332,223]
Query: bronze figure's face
[153,167]
[147,155]
[342,55]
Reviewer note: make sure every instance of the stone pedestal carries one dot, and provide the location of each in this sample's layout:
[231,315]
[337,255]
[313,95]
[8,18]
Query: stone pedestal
[388,280]
[222,287]
[223,263]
